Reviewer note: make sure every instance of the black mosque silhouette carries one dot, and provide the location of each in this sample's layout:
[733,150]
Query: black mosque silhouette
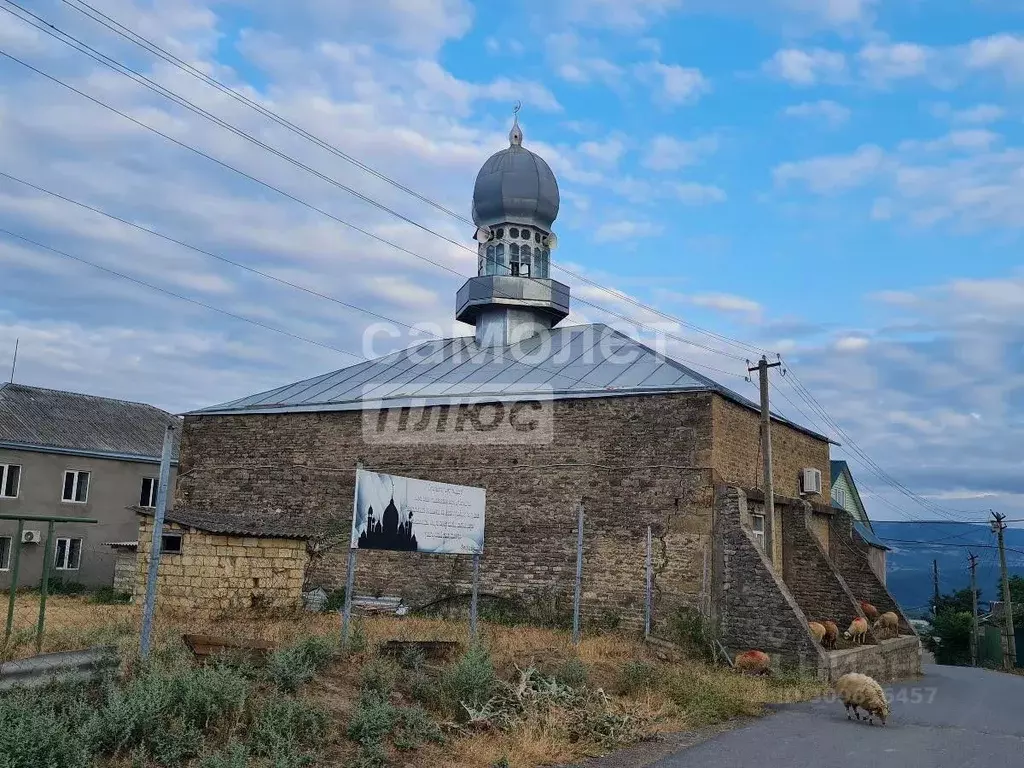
[388,533]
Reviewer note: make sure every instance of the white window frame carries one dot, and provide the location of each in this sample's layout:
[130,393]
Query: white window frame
[67,541]
[841,497]
[4,475]
[154,488]
[5,565]
[76,485]
[759,535]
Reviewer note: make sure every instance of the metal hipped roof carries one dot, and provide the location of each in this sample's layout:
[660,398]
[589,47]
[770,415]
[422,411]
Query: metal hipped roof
[561,363]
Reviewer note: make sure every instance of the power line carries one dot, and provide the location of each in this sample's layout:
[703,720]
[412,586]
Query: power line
[182,297]
[146,82]
[151,47]
[912,542]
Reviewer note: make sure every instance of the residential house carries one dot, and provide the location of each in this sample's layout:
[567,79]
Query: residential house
[73,455]
[845,496]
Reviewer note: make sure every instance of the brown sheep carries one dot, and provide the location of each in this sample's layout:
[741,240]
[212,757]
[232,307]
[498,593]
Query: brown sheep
[818,630]
[869,610]
[889,623]
[857,690]
[753,663]
[831,635]
[857,632]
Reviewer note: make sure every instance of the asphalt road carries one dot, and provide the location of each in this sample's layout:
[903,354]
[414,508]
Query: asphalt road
[950,718]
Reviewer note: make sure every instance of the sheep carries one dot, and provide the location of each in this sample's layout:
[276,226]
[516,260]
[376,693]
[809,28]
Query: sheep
[889,622]
[753,663]
[869,610]
[818,630]
[857,690]
[857,632]
[831,635]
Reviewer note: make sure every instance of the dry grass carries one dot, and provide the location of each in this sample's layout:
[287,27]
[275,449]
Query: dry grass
[72,623]
[670,696]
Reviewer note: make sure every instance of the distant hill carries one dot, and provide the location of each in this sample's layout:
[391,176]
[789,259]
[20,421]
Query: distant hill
[910,565]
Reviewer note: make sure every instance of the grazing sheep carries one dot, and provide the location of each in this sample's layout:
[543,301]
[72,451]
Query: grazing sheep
[890,623]
[857,632]
[831,635]
[869,610]
[818,630]
[753,663]
[857,690]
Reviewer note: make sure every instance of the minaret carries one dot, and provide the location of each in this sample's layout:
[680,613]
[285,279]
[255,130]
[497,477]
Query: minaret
[515,203]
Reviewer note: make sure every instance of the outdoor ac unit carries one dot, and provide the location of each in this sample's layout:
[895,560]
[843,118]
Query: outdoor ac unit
[31,537]
[810,480]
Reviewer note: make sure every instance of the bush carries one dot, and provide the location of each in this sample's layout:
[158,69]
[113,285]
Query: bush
[373,720]
[635,676]
[950,637]
[35,734]
[335,601]
[234,755]
[573,674]
[378,676]
[291,667]
[687,628]
[707,699]
[288,732]
[110,596]
[57,585]
[356,638]
[415,728]
[469,682]
[412,658]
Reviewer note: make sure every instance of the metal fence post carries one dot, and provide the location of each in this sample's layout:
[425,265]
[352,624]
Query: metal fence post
[350,576]
[473,599]
[647,590]
[158,530]
[15,570]
[44,588]
[579,575]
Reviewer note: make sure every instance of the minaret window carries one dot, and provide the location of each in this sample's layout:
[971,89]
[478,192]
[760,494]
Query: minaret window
[536,237]
[513,232]
[524,262]
[526,234]
[488,267]
[500,234]
[496,261]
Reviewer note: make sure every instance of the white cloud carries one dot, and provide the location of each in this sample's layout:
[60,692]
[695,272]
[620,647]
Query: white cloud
[1003,53]
[667,153]
[690,193]
[979,114]
[504,45]
[881,63]
[970,140]
[625,229]
[829,112]
[727,302]
[573,59]
[851,343]
[673,84]
[607,152]
[833,173]
[806,68]
[624,16]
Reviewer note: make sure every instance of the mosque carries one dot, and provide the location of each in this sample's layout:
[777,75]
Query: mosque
[546,417]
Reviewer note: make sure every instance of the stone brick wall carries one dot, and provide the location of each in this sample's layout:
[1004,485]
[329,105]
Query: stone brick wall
[852,556]
[753,607]
[737,456]
[819,527]
[215,575]
[888,661]
[818,587]
[248,464]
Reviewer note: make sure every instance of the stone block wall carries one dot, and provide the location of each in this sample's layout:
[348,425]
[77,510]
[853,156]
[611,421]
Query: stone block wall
[887,661]
[818,587]
[299,464]
[852,557]
[215,575]
[753,607]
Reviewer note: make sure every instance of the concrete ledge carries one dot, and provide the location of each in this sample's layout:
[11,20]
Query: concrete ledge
[889,660]
[49,667]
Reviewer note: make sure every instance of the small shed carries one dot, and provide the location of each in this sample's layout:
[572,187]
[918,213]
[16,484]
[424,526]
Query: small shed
[212,564]
[126,554]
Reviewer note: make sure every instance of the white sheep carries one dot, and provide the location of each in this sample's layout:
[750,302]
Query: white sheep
[857,690]
[857,632]
[889,623]
[818,630]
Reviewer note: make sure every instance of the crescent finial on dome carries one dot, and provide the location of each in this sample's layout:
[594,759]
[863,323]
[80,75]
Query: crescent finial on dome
[515,136]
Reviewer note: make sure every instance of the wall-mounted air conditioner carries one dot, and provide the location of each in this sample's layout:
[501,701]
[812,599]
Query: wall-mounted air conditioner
[810,480]
[31,537]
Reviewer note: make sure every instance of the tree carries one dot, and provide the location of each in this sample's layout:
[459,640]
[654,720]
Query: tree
[955,601]
[950,637]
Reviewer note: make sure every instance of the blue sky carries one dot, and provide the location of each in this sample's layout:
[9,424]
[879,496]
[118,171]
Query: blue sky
[839,181]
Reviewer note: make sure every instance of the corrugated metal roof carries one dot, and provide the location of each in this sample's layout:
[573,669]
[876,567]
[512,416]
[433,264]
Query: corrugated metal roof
[869,536]
[562,363]
[50,419]
[275,525]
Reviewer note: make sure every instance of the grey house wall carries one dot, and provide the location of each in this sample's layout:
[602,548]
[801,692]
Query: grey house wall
[113,486]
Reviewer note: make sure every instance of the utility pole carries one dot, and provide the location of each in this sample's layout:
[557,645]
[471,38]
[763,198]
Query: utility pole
[974,608]
[766,435]
[1010,648]
[14,362]
[935,586]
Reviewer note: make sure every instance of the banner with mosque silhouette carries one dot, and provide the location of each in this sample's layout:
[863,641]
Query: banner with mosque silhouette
[410,515]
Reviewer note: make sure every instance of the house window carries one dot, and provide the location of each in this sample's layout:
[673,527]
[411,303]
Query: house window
[170,543]
[10,480]
[841,497]
[68,555]
[757,525]
[5,553]
[149,488]
[76,486]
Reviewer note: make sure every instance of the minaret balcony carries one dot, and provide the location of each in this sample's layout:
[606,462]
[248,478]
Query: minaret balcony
[544,295]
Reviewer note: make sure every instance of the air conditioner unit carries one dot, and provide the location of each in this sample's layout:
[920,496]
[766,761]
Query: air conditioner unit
[31,537]
[810,480]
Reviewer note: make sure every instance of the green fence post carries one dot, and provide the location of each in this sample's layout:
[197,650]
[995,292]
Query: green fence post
[45,586]
[15,569]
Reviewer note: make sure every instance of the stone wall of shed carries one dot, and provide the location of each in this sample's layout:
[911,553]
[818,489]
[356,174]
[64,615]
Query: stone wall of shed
[634,461]
[754,609]
[215,575]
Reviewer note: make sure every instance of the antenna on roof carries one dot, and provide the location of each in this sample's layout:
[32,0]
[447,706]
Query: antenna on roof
[14,363]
